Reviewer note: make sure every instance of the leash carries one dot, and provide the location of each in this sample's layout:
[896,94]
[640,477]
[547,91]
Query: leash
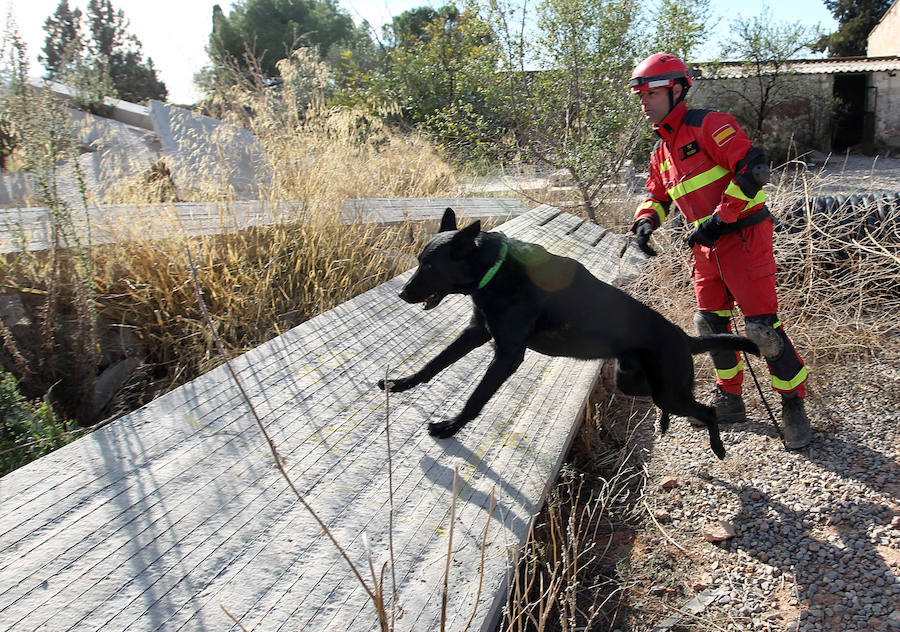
[746,357]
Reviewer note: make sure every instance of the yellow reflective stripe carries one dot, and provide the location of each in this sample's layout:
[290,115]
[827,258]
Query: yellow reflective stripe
[697,182]
[696,223]
[776,325]
[790,385]
[735,191]
[726,313]
[727,374]
[656,206]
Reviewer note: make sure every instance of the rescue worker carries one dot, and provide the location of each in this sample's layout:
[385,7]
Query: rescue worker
[707,166]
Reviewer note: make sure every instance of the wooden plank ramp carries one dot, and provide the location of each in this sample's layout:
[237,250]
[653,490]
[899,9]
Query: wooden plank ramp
[399,210]
[166,516]
[29,229]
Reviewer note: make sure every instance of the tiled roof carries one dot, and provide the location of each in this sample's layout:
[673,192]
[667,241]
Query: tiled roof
[827,66]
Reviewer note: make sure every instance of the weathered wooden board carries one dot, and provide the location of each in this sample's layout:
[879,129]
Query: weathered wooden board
[163,518]
[30,229]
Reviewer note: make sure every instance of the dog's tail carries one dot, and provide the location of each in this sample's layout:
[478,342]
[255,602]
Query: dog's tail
[722,342]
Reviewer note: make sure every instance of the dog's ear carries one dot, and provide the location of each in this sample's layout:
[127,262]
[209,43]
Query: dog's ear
[464,240]
[448,221]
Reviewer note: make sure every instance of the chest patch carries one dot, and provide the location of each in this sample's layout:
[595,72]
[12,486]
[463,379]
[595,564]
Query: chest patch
[689,150]
[723,134]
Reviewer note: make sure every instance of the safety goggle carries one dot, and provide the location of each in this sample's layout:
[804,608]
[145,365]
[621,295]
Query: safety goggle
[656,81]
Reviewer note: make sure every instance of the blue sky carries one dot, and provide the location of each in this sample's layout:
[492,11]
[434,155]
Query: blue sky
[174,32]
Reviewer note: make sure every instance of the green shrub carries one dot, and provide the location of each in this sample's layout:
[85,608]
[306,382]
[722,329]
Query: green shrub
[28,429]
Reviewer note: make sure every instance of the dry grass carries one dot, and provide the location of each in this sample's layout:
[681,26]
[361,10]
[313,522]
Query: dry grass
[837,277]
[839,298]
[259,281]
[569,577]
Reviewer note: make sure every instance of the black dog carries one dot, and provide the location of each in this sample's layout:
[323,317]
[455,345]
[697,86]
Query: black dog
[526,297]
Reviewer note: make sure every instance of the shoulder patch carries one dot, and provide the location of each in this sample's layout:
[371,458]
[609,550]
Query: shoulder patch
[694,118]
[724,134]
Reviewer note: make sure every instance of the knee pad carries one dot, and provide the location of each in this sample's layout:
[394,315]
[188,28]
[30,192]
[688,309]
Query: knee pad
[762,331]
[709,323]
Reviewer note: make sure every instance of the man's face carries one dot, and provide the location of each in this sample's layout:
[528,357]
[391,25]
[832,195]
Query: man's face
[655,104]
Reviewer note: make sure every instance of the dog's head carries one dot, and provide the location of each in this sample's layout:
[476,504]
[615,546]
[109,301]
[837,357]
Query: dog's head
[446,264]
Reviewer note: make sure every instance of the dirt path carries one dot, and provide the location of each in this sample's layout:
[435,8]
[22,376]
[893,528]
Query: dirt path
[810,539]
[857,174]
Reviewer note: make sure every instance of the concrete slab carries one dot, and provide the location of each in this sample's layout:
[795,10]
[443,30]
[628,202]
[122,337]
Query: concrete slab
[129,113]
[163,518]
[205,154]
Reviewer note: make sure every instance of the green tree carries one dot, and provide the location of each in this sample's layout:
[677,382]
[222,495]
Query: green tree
[413,26]
[575,113]
[269,30]
[134,79]
[108,62]
[765,48]
[682,25]
[63,42]
[856,19]
[439,61]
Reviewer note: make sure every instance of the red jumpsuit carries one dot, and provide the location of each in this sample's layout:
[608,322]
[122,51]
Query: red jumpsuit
[694,165]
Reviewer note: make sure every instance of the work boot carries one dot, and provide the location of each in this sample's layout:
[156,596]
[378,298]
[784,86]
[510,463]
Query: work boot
[729,407]
[797,433]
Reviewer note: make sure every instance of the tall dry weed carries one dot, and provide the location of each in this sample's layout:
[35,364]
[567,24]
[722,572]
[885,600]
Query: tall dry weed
[567,577]
[260,281]
[837,271]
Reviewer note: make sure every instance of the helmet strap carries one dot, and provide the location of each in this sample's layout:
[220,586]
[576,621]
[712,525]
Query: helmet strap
[672,101]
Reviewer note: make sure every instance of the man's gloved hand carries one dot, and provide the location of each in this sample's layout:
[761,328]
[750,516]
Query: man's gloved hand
[707,233]
[642,231]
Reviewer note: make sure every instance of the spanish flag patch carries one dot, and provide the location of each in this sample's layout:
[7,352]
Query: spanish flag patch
[723,134]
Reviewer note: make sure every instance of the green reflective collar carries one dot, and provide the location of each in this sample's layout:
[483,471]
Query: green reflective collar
[504,248]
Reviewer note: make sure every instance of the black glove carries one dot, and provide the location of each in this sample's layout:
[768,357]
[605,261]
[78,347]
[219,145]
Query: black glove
[642,231]
[707,233]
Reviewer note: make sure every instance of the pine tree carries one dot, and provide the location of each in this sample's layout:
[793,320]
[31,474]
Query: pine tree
[134,79]
[63,41]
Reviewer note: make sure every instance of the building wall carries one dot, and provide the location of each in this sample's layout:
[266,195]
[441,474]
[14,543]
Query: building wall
[800,117]
[884,40]
[887,109]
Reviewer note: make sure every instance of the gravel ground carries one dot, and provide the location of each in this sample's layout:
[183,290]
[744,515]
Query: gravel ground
[810,539]
[816,542]
[852,174]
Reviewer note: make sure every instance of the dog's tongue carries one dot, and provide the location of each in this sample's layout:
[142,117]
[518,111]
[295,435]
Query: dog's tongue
[431,302]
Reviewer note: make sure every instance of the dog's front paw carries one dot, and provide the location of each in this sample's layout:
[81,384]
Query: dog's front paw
[446,428]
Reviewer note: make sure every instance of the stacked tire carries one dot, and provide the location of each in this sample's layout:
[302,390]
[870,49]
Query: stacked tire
[847,216]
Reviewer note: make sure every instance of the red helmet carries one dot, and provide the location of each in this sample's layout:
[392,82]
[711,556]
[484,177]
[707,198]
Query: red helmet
[659,71]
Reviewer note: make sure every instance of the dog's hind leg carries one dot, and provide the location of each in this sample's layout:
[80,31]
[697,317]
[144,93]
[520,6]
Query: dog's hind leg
[692,408]
[671,378]
[663,422]
[707,414]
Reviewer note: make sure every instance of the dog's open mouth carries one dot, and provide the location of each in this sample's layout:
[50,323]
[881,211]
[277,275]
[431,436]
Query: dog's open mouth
[432,301]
